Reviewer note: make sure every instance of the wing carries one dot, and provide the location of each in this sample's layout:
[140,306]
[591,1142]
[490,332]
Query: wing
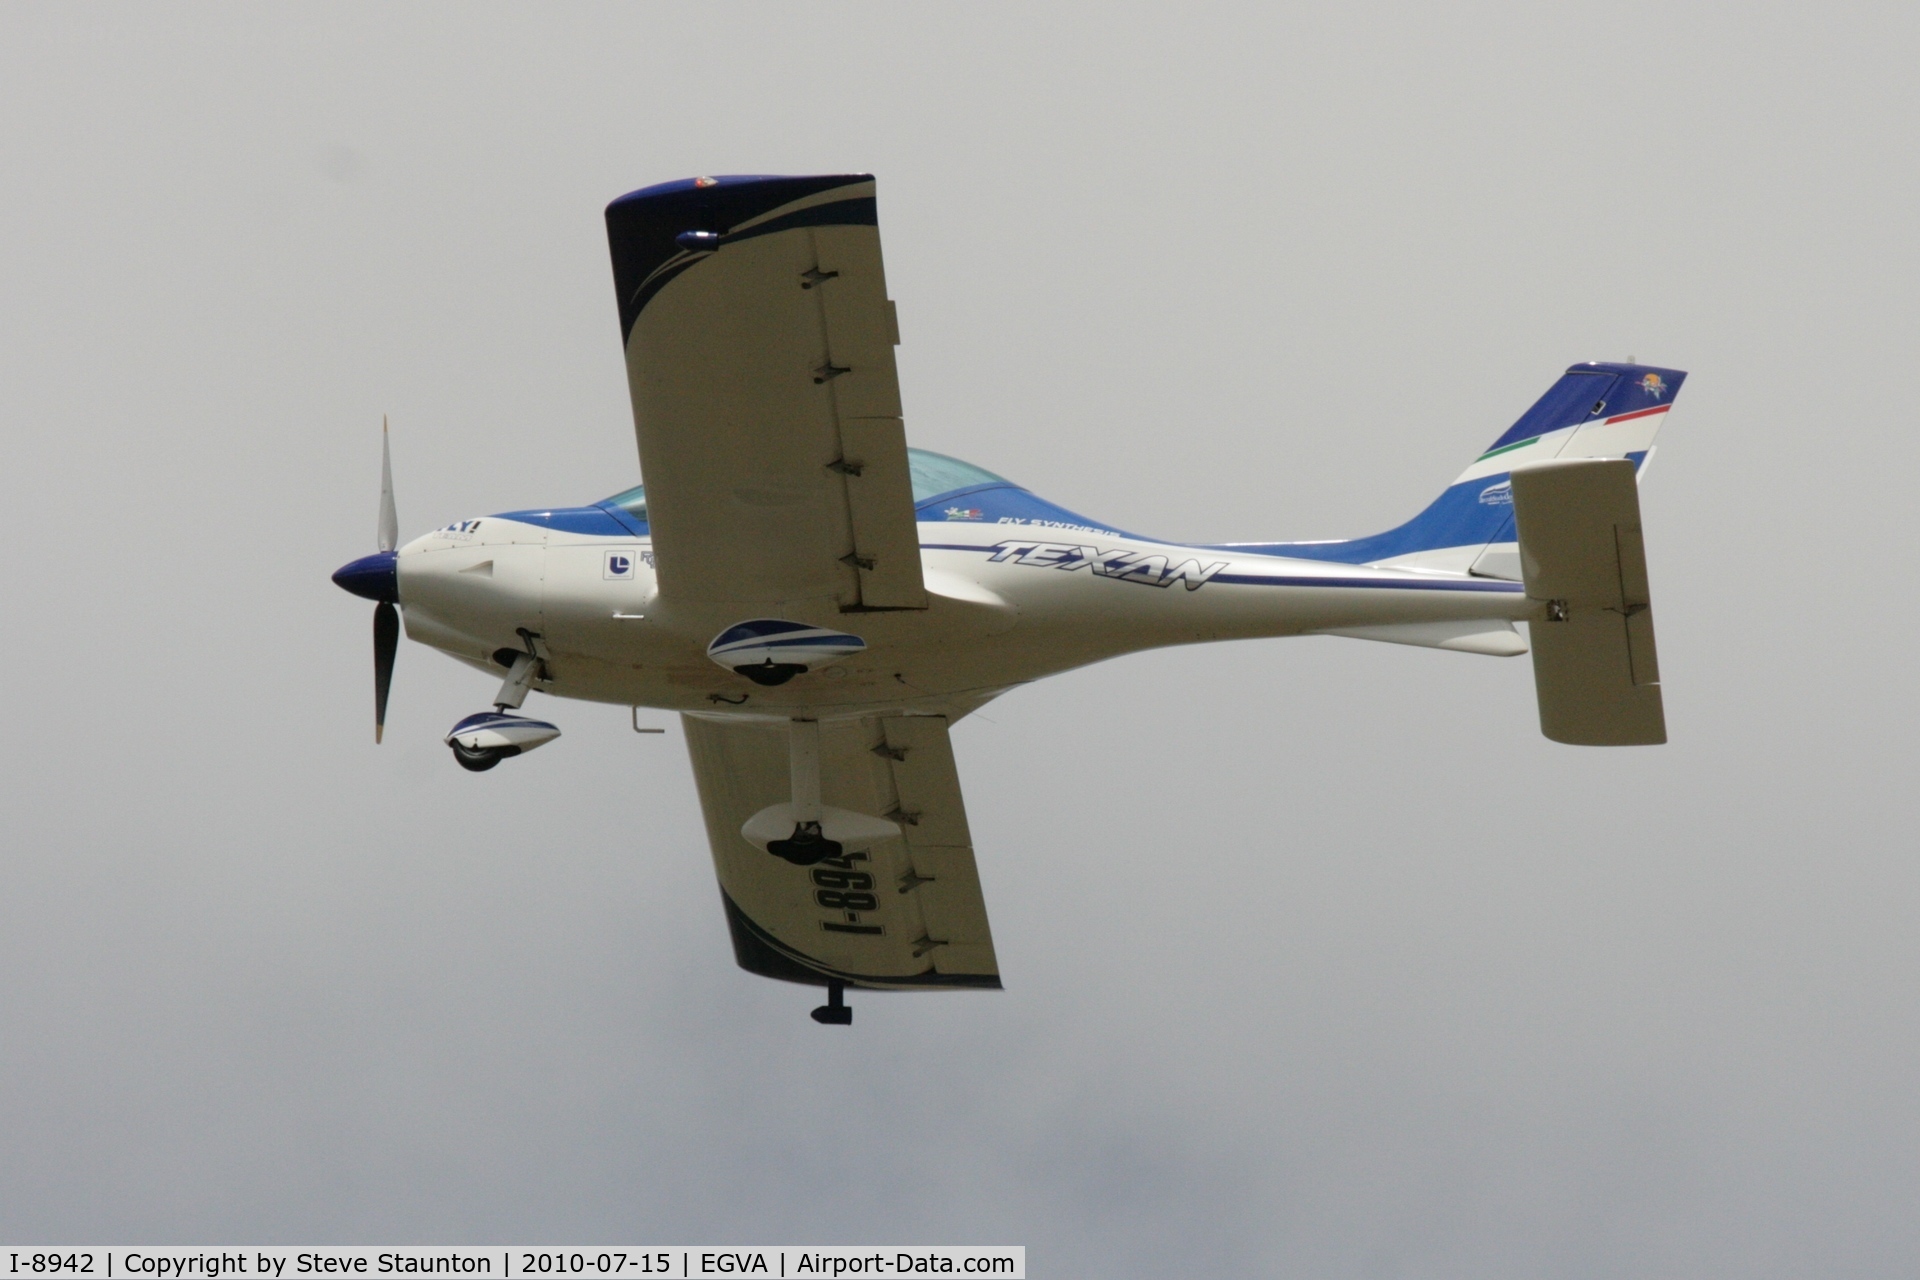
[759,344]
[904,912]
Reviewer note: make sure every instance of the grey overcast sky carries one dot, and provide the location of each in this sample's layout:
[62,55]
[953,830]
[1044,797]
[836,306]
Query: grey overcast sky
[1320,960]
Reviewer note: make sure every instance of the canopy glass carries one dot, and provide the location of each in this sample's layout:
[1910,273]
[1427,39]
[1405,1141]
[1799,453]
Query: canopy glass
[933,475]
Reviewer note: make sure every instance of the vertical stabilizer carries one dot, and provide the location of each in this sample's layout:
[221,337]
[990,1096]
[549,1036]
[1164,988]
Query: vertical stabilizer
[1593,411]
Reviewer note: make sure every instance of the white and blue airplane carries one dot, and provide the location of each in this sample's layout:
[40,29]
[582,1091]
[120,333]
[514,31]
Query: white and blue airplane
[821,603]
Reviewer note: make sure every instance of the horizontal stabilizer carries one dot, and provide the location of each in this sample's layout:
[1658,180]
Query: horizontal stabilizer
[1584,563]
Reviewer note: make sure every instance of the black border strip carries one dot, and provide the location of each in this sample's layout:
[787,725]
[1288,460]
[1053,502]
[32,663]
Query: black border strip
[758,951]
[642,227]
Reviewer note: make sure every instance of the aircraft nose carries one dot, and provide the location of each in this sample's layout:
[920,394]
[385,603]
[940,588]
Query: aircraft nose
[374,577]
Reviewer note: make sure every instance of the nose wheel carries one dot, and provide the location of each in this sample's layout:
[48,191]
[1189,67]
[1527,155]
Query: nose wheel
[477,760]
[482,741]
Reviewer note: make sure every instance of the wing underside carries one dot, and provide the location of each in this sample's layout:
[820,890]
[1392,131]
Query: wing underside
[904,912]
[767,407]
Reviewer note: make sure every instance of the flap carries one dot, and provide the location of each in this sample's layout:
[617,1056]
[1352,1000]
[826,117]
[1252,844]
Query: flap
[901,912]
[1583,558]
[759,344]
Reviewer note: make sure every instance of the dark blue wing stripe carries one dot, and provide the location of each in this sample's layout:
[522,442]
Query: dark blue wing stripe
[642,226]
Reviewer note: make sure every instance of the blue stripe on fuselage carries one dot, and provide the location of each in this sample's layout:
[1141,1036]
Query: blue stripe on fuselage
[1408,583]
[1472,513]
[602,521]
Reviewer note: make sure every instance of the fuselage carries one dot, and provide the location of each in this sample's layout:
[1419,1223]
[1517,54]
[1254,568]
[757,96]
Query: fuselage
[1010,601]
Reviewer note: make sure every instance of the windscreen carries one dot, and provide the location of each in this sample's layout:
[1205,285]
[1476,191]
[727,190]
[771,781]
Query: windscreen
[936,473]
[633,502]
[933,475]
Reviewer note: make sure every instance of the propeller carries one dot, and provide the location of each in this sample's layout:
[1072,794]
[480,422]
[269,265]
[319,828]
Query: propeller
[386,642]
[386,618]
[389,519]
[377,578]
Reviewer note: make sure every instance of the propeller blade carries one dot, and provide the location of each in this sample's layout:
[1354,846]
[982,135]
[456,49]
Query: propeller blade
[389,519]
[386,642]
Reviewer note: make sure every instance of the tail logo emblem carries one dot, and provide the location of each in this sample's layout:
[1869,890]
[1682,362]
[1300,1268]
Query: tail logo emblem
[1653,386]
[1497,495]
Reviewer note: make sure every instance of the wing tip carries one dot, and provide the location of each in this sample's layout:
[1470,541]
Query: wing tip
[759,952]
[729,181]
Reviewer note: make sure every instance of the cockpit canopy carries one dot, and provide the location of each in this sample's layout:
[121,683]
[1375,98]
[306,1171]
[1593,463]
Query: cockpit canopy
[936,473]
[632,501]
[933,475]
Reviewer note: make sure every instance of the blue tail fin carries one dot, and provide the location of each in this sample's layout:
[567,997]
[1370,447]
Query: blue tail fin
[1593,411]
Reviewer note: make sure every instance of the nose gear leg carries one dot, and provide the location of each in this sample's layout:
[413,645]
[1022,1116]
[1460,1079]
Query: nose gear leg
[482,741]
[520,678]
[525,668]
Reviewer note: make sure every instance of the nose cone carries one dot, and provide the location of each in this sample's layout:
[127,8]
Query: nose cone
[374,577]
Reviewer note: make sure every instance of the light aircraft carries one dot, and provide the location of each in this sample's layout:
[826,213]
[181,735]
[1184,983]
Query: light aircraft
[820,603]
